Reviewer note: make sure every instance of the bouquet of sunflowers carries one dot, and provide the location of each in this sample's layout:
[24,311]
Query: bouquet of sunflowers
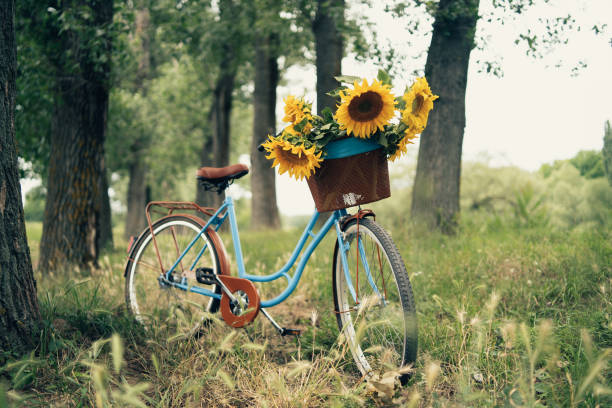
[366,111]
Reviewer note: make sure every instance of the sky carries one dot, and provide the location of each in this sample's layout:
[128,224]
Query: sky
[535,114]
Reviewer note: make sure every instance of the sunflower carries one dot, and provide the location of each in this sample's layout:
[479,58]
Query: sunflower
[295,109]
[402,145]
[365,108]
[415,123]
[298,161]
[419,101]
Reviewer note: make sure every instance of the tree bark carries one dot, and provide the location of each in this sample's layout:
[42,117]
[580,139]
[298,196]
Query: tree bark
[135,220]
[219,144]
[72,224]
[204,197]
[436,187]
[264,210]
[329,50]
[19,315]
[106,224]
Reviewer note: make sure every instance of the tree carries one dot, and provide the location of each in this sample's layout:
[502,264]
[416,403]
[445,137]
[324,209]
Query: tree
[607,151]
[75,39]
[220,48]
[41,63]
[329,48]
[436,185]
[137,197]
[264,210]
[19,315]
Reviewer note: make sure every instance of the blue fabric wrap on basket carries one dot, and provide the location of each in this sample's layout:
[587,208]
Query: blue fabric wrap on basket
[350,146]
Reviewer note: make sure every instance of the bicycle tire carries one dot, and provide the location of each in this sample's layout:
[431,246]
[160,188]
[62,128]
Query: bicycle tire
[378,321]
[147,299]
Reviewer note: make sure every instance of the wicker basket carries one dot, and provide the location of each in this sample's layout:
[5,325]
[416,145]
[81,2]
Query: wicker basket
[349,181]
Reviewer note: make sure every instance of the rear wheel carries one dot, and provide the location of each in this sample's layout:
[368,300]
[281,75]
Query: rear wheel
[373,300]
[150,300]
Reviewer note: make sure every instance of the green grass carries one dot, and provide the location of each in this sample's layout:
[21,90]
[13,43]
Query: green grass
[508,316]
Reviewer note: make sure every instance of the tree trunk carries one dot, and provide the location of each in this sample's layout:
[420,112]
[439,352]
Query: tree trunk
[72,224]
[436,187]
[329,50]
[264,211]
[219,115]
[135,220]
[204,197]
[106,225]
[19,315]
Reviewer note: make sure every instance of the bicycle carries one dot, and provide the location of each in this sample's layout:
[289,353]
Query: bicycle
[180,257]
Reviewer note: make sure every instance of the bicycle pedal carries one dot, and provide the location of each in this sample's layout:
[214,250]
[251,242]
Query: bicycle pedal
[205,276]
[290,332]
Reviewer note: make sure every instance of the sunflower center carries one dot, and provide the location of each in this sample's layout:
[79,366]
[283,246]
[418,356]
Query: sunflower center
[291,158]
[417,104]
[365,107]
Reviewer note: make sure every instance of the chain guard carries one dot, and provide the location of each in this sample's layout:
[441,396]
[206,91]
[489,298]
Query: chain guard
[252,306]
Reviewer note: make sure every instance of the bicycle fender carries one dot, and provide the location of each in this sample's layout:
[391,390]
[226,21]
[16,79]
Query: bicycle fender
[361,214]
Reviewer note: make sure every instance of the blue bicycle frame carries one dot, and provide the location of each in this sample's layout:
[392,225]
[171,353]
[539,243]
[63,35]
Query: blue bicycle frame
[227,210]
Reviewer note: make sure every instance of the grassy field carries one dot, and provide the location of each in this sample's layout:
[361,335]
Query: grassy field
[508,316]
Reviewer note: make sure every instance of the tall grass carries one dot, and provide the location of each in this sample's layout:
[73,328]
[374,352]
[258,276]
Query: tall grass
[510,314]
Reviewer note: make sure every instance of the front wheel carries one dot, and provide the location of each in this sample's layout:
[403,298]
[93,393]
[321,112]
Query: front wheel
[373,300]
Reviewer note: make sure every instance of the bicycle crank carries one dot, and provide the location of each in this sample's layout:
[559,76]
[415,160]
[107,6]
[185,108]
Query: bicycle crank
[240,302]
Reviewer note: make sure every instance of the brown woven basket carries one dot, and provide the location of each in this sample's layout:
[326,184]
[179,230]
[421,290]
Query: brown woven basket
[350,181]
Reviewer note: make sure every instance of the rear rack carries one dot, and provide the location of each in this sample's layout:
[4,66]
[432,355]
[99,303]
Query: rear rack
[166,208]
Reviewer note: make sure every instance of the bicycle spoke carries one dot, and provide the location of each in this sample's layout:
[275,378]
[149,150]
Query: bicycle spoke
[377,322]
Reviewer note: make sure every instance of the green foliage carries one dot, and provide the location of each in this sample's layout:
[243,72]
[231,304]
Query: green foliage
[528,209]
[58,39]
[34,208]
[607,151]
[575,201]
[557,195]
[588,162]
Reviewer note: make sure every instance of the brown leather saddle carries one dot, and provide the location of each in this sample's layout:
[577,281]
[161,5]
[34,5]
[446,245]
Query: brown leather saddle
[219,178]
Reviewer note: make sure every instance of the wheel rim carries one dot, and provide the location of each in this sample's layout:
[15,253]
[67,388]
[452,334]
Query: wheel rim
[149,300]
[373,317]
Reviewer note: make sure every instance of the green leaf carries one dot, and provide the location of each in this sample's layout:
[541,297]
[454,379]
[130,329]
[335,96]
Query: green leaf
[384,77]
[336,92]
[328,115]
[400,103]
[347,79]
[383,140]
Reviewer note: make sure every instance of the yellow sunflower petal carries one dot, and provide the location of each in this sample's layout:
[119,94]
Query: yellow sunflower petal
[365,109]
[298,161]
[402,146]
[415,123]
[419,100]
